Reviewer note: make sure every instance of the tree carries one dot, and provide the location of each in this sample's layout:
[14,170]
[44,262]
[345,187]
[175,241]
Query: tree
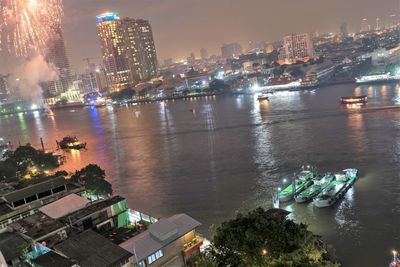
[123,95]
[217,85]
[92,177]
[262,238]
[24,158]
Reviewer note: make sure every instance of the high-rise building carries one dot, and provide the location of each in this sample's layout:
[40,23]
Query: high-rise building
[297,47]
[113,48]
[128,50]
[203,54]
[231,50]
[343,30]
[147,50]
[56,56]
[365,27]
[4,87]
[393,20]
[378,25]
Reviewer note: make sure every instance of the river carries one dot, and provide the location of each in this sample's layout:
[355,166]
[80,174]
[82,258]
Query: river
[214,156]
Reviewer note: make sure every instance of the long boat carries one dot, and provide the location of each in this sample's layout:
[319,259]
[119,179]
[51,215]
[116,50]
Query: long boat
[354,99]
[302,181]
[336,189]
[315,189]
[378,78]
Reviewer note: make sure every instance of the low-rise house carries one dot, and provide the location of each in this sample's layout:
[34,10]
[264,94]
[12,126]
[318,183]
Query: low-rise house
[168,242]
[25,199]
[90,249]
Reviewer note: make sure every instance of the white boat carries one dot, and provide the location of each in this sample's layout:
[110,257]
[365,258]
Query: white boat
[315,189]
[378,78]
[336,189]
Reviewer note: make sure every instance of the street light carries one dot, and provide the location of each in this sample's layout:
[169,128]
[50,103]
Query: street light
[264,252]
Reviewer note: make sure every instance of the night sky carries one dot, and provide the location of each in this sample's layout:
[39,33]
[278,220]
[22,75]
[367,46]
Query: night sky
[183,26]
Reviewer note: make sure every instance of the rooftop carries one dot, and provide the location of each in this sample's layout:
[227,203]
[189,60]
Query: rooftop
[64,206]
[37,225]
[91,249]
[10,244]
[33,189]
[96,206]
[169,229]
[51,259]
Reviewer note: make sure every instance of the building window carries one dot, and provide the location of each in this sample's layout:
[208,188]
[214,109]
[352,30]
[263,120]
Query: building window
[155,256]
[31,198]
[18,203]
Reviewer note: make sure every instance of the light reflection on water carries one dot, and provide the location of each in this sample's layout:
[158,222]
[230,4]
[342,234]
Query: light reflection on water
[210,157]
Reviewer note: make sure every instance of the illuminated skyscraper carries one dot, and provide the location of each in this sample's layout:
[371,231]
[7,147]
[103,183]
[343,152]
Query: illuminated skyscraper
[203,54]
[365,27]
[343,30]
[231,50]
[113,47]
[147,49]
[4,87]
[297,47]
[128,50]
[378,24]
[57,57]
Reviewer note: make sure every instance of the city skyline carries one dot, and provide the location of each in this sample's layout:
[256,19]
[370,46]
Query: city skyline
[179,25]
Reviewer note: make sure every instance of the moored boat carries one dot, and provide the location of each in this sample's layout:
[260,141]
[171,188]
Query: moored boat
[262,97]
[336,189]
[315,189]
[354,99]
[70,142]
[301,181]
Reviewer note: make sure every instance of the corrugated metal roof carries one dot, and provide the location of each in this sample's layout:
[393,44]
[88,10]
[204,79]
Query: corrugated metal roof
[64,206]
[91,249]
[34,189]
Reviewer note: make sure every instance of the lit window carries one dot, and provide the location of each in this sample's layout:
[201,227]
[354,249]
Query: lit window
[152,258]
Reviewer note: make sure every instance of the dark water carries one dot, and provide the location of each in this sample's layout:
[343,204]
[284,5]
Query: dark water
[230,153]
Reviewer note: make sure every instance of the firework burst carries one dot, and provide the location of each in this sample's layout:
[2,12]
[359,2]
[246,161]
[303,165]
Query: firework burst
[28,25]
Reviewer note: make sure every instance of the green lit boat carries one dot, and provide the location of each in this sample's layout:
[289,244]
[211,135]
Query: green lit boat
[336,189]
[315,189]
[302,181]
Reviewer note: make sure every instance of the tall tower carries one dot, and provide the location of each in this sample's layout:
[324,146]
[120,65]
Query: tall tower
[203,54]
[114,50]
[57,56]
[147,49]
[128,50]
[343,30]
[378,24]
[365,27]
[297,47]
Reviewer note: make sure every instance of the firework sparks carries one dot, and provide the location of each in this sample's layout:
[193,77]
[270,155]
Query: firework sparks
[28,25]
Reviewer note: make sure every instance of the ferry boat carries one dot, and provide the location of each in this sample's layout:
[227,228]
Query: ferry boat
[378,78]
[315,189]
[262,97]
[302,181]
[336,189]
[354,99]
[309,81]
[70,142]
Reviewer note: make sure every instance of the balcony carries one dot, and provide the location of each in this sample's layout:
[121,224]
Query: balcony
[193,245]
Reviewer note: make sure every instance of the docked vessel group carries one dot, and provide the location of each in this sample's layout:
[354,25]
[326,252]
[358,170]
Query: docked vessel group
[323,191]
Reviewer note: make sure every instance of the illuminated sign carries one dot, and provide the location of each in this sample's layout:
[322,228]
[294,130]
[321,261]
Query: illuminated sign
[107,17]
